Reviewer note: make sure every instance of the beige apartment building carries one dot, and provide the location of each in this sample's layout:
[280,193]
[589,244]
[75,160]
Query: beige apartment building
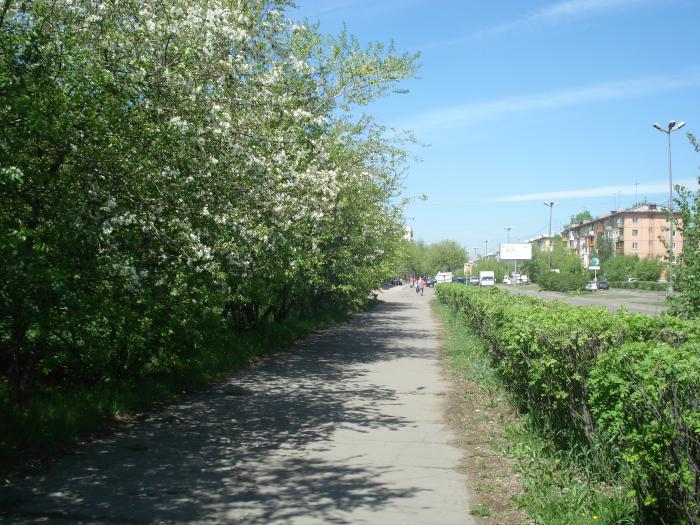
[641,230]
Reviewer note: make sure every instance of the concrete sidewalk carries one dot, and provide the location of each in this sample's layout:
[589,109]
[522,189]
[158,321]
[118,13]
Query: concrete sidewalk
[345,428]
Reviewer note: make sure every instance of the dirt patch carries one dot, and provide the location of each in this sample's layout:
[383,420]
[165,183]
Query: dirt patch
[479,418]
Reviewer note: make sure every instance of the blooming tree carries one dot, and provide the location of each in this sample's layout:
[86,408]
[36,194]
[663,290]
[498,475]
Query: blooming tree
[169,169]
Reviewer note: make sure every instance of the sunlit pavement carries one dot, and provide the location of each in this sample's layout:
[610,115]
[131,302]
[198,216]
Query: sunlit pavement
[345,428]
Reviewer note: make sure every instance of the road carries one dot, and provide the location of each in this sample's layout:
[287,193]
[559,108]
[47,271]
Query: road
[345,428]
[641,301]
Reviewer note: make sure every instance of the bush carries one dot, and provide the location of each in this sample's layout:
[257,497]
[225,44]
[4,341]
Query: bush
[622,384]
[562,282]
[639,285]
[644,399]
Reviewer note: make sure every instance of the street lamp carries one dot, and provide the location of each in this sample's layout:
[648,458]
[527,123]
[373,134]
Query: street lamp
[515,263]
[549,257]
[486,249]
[672,126]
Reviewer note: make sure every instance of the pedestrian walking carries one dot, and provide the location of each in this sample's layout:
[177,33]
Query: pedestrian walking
[421,284]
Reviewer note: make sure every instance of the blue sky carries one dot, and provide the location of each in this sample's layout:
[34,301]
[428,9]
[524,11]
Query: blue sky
[522,102]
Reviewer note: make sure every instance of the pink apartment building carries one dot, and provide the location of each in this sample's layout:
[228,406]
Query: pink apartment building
[641,230]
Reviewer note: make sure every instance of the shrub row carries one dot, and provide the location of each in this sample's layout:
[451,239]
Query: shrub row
[639,285]
[562,282]
[626,385]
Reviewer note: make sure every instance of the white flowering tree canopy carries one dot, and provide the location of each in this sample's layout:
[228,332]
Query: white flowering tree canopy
[171,169]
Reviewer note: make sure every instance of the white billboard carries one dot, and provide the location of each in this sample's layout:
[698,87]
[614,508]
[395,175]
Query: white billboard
[516,252]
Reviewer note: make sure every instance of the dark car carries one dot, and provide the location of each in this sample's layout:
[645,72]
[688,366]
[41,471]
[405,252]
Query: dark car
[603,285]
[460,280]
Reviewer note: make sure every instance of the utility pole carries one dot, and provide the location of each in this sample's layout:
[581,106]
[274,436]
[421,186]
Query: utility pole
[486,249]
[549,257]
[515,265]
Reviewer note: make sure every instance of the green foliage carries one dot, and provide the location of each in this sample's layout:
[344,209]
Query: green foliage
[647,270]
[443,256]
[562,282]
[580,218]
[686,274]
[644,399]
[604,248]
[619,384]
[210,181]
[54,417]
[620,267]
[561,485]
[562,259]
[639,285]
[500,268]
[447,256]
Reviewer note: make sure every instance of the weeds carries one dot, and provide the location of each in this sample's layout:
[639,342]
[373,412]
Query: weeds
[559,485]
[56,417]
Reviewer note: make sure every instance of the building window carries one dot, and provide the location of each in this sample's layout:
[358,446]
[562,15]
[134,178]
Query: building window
[673,246]
[635,220]
[635,245]
[674,232]
[635,233]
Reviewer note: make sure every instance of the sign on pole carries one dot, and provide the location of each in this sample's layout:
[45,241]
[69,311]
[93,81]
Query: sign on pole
[594,264]
[516,252]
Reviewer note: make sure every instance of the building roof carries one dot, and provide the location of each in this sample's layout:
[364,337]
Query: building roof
[640,208]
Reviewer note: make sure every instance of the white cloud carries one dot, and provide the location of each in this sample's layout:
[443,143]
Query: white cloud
[476,113]
[551,14]
[601,191]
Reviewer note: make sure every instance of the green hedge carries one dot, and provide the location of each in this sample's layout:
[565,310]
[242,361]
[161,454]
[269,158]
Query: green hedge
[562,282]
[625,383]
[639,285]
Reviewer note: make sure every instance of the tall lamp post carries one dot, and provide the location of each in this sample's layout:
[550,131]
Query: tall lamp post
[549,247]
[672,126]
[486,248]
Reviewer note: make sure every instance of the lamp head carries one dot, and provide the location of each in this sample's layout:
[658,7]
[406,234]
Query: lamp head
[679,125]
[671,125]
[657,126]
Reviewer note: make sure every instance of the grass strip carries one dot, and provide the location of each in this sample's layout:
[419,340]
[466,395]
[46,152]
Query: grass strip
[56,418]
[555,486]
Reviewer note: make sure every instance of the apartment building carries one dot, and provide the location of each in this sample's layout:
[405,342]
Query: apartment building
[641,230]
[543,242]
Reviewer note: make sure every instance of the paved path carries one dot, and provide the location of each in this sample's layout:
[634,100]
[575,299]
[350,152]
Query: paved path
[346,428]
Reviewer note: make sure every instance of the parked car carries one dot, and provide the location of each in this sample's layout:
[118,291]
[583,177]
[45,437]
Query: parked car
[506,280]
[474,280]
[460,280]
[592,286]
[631,279]
[603,285]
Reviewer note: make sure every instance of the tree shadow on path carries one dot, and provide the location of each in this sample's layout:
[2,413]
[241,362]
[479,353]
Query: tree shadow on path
[243,450]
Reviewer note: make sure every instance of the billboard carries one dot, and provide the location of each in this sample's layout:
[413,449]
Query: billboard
[516,252]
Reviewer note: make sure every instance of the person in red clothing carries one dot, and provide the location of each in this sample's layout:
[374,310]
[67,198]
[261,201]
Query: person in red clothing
[421,283]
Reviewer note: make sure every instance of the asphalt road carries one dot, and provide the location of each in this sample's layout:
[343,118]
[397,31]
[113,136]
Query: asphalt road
[345,428]
[641,301]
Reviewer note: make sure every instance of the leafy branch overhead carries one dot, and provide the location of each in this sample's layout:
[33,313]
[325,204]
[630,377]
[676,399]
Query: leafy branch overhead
[171,170]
